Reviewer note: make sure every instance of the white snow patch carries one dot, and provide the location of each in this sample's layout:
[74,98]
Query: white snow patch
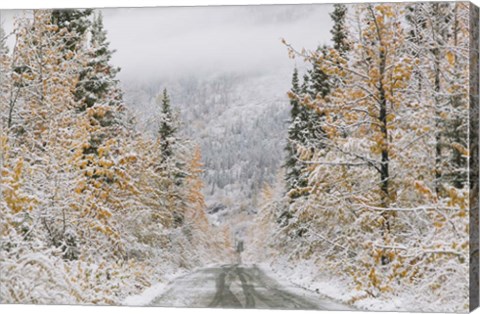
[147,296]
[157,289]
[331,293]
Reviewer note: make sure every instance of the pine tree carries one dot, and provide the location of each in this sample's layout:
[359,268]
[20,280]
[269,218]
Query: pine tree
[167,127]
[172,163]
[304,115]
[76,22]
[305,87]
[292,167]
[319,81]
[339,30]
[305,134]
[97,83]
[300,137]
[315,85]
[306,129]
[296,90]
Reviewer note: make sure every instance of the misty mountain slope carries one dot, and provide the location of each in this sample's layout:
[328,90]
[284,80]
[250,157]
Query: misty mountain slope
[240,123]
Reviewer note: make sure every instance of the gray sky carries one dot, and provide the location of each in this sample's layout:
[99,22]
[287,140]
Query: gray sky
[168,42]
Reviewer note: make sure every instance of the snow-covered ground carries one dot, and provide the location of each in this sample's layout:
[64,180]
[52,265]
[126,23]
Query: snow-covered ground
[156,289]
[338,289]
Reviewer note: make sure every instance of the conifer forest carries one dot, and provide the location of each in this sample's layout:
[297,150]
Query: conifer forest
[331,165]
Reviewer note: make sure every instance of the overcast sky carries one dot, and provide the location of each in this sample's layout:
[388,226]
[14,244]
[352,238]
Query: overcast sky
[168,41]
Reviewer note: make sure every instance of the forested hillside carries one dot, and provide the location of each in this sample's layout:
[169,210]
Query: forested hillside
[240,123]
[92,210]
[374,205]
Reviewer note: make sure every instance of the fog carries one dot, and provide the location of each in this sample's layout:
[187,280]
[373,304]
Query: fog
[169,42]
[165,42]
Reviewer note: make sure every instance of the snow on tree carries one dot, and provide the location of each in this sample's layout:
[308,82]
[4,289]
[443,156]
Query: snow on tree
[97,82]
[293,165]
[88,205]
[339,30]
[376,169]
[76,22]
[439,29]
[387,208]
[168,126]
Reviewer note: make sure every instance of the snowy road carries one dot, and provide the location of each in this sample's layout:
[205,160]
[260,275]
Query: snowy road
[234,286]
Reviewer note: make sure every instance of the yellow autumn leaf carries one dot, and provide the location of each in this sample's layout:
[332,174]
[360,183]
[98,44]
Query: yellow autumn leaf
[450,57]
[461,149]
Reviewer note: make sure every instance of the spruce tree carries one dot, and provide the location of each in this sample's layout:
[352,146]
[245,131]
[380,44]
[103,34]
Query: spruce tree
[167,127]
[305,129]
[339,30]
[97,81]
[305,88]
[76,22]
[304,116]
[292,167]
[319,81]
[172,164]
[299,136]
[295,90]
[316,84]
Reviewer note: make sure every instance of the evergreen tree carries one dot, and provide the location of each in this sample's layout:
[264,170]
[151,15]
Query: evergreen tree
[97,101]
[167,127]
[306,125]
[173,165]
[305,87]
[296,90]
[339,30]
[306,131]
[97,82]
[319,81]
[292,167]
[75,21]
[315,84]
[301,137]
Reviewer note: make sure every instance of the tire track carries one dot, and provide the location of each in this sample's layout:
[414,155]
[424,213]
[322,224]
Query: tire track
[238,286]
